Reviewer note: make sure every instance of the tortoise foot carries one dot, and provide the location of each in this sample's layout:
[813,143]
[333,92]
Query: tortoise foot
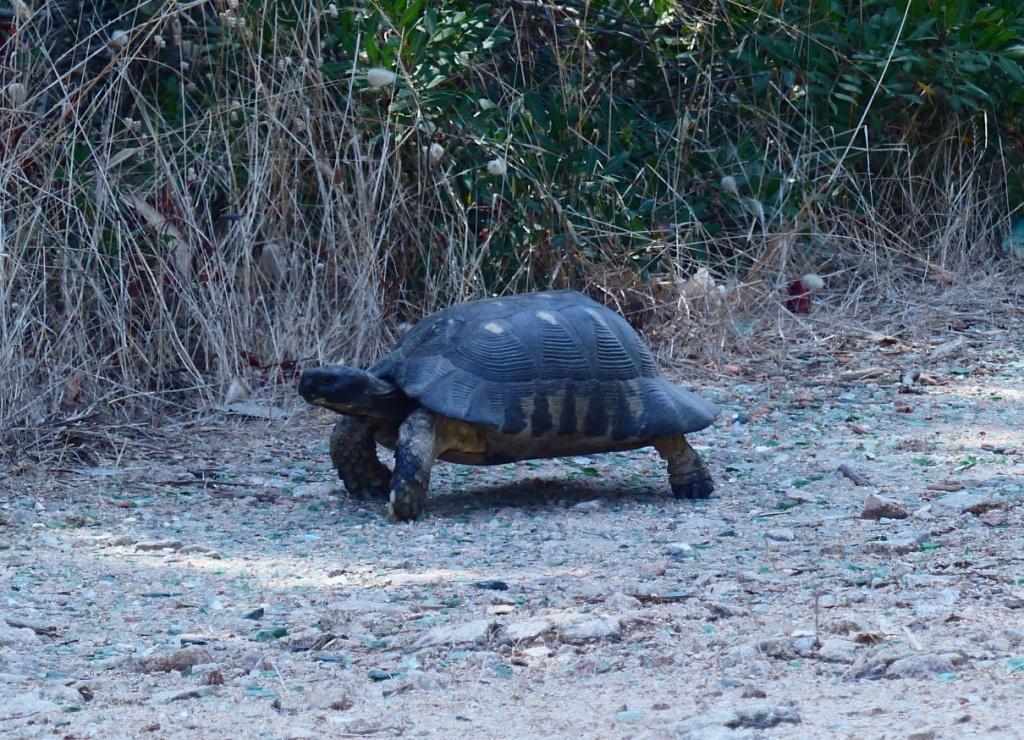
[407,501]
[377,491]
[692,485]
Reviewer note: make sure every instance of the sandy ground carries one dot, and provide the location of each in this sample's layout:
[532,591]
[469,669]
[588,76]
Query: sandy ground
[217,582]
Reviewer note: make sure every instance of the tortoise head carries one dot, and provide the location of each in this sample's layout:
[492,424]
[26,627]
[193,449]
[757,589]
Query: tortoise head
[355,392]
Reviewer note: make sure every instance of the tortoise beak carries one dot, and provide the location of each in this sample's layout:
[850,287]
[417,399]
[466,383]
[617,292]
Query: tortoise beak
[312,384]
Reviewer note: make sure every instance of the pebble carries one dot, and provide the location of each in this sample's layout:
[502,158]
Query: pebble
[921,666]
[780,535]
[965,502]
[200,550]
[880,507]
[23,705]
[620,602]
[584,628]
[178,660]
[150,545]
[190,692]
[677,548]
[340,702]
[593,505]
[763,716]
[538,651]
[17,636]
[469,633]
[121,540]
[837,650]
[526,630]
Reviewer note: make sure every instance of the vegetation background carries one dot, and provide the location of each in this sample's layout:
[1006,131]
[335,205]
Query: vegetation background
[198,194]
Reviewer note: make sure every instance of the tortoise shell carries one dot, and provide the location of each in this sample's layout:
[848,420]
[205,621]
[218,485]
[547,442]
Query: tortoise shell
[552,364]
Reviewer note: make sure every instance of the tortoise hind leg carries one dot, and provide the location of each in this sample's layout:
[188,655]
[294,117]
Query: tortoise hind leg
[414,458]
[354,454]
[687,473]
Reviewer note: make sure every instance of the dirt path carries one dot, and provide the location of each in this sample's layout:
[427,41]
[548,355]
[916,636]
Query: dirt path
[569,598]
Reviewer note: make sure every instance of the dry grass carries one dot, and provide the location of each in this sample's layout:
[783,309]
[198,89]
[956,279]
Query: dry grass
[144,264]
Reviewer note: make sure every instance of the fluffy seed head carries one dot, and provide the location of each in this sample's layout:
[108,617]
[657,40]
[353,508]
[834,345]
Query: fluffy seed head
[497,167]
[378,77]
[812,283]
[16,93]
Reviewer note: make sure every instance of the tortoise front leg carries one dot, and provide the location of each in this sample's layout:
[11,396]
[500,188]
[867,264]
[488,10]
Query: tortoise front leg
[687,473]
[414,458]
[354,454]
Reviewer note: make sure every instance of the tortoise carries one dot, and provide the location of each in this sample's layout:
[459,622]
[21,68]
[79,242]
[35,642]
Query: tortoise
[497,380]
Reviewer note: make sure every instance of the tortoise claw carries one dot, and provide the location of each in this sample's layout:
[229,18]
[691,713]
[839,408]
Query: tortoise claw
[407,501]
[693,485]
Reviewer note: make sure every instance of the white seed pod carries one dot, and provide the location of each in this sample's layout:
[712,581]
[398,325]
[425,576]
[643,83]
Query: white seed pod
[486,104]
[812,283]
[158,42]
[729,186]
[118,39]
[497,167]
[16,93]
[435,153]
[332,10]
[238,390]
[378,77]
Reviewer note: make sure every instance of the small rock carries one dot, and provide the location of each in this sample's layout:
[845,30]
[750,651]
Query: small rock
[194,639]
[593,505]
[340,702]
[122,540]
[678,548]
[587,627]
[925,733]
[491,585]
[364,727]
[526,630]
[213,678]
[620,602]
[780,535]
[836,650]
[149,545]
[539,651]
[965,503]
[894,546]
[178,660]
[199,550]
[23,705]
[763,716]
[848,624]
[993,518]
[753,692]
[787,648]
[926,665]
[879,507]
[16,636]
[415,680]
[724,610]
[470,633]
[191,692]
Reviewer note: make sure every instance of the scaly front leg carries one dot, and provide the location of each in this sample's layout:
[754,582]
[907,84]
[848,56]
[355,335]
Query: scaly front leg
[414,458]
